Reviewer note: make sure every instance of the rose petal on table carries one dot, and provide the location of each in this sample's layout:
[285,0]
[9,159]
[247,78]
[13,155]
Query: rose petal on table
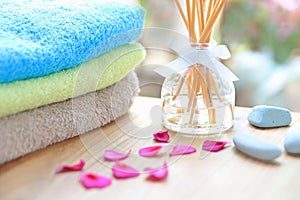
[122,171]
[157,173]
[181,149]
[69,168]
[90,180]
[214,146]
[161,136]
[112,155]
[150,151]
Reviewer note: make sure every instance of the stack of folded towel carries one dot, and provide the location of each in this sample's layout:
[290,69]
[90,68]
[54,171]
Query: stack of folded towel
[65,69]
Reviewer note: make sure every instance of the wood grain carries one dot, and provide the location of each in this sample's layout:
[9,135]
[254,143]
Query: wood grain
[227,174]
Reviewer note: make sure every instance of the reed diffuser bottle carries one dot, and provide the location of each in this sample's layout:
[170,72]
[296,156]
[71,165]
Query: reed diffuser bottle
[200,98]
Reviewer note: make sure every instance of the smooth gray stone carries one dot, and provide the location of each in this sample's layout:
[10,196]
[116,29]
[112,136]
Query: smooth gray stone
[292,140]
[256,148]
[269,116]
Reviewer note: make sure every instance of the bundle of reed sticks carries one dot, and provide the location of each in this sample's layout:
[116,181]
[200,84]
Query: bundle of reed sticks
[199,17]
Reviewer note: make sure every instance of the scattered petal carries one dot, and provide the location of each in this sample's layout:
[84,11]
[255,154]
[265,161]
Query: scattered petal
[121,170]
[69,168]
[157,173]
[150,151]
[181,149]
[113,155]
[214,146]
[94,181]
[161,136]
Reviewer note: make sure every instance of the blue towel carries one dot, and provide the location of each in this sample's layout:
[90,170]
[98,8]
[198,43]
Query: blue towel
[42,36]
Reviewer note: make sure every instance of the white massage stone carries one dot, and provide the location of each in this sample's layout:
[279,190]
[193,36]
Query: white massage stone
[269,116]
[256,148]
[292,140]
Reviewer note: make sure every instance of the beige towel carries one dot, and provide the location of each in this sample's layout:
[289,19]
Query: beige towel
[28,131]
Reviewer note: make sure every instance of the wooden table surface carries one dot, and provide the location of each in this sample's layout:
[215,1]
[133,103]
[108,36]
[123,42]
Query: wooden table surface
[227,174]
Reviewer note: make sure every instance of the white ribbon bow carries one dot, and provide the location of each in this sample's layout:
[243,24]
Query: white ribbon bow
[190,56]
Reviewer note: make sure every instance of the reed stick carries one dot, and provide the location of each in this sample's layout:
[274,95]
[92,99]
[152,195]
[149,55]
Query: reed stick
[182,14]
[195,92]
[211,111]
[211,21]
[201,8]
[209,8]
[181,82]
[193,18]
[203,83]
[189,16]
[200,24]
[232,111]
[215,87]
[191,85]
[198,85]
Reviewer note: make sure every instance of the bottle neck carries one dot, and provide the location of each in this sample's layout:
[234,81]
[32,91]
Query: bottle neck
[202,46]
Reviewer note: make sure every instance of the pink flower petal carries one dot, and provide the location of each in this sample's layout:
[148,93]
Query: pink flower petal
[157,173]
[161,136]
[214,146]
[113,155]
[150,151]
[94,181]
[69,168]
[121,170]
[181,149]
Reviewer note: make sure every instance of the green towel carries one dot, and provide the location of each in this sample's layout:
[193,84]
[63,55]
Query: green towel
[93,75]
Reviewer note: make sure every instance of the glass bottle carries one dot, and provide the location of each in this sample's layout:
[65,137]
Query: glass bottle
[198,100]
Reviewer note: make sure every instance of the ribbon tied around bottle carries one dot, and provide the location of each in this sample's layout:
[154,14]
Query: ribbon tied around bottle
[189,56]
